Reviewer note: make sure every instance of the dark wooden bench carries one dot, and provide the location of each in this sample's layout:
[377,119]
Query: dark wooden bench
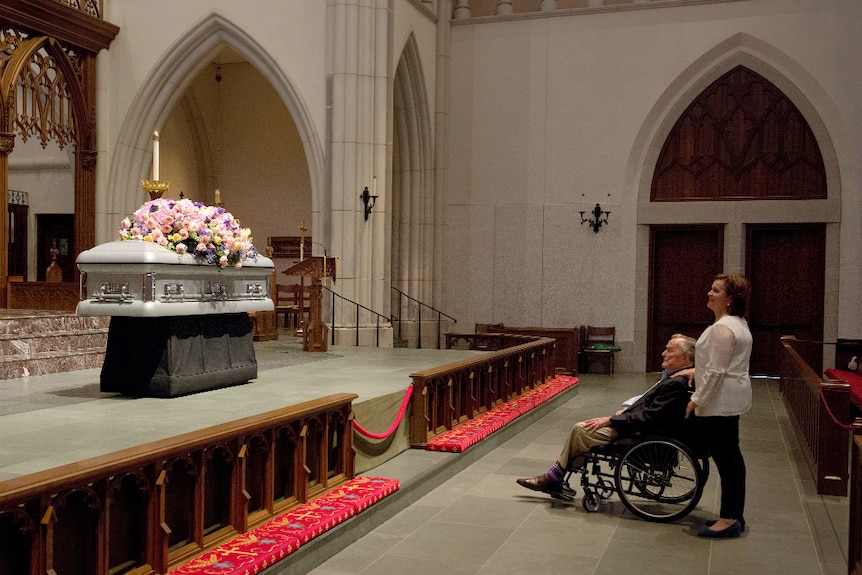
[568,341]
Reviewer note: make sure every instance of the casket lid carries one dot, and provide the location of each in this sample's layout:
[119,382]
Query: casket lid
[140,252]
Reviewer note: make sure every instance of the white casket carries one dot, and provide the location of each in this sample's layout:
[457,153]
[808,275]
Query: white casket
[143,279]
[178,325]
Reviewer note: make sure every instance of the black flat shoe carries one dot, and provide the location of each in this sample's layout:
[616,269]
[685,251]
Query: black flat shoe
[729,532]
[711,522]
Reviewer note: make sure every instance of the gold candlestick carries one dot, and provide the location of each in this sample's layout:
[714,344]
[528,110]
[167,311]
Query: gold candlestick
[155,189]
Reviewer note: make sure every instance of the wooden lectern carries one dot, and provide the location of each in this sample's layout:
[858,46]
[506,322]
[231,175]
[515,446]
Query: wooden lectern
[314,336]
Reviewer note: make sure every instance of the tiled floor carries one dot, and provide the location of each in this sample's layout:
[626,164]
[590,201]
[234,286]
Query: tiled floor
[481,522]
[459,514]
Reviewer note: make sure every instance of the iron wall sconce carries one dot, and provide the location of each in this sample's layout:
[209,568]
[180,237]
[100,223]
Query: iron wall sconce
[599,218]
[368,200]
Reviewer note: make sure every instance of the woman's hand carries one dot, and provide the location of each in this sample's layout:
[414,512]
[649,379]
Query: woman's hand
[689,373]
[690,408]
[597,422]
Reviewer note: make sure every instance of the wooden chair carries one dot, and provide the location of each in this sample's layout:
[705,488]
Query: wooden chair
[286,303]
[599,349]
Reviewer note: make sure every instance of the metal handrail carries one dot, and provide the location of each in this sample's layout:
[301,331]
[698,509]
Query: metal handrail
[419,321]
[357,306]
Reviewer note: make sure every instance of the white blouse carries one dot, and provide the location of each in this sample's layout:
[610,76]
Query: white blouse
[722,354]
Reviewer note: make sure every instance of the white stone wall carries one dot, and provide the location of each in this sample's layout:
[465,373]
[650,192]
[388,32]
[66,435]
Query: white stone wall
[550,115]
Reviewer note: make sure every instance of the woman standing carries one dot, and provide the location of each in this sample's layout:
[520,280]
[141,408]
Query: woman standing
[722,394]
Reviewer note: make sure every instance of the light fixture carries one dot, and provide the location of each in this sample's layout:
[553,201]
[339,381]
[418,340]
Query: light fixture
[368,199]
[599,218]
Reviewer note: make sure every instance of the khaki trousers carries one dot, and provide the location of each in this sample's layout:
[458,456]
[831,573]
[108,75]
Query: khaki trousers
[581,441]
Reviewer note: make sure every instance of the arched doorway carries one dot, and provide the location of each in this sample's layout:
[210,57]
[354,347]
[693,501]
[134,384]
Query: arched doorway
[47,92]
[741,139]
[173,95]
[412,259]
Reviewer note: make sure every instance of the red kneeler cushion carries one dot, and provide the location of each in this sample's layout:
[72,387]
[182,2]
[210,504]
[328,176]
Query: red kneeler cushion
[248,553]
[252,552]
[360,492]
[474,430]
[851,377]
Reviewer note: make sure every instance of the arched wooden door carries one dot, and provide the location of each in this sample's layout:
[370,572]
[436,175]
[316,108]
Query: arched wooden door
[741,139]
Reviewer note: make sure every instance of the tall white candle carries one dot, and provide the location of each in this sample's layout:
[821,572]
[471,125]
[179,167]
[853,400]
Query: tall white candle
[156,156]
[217,197]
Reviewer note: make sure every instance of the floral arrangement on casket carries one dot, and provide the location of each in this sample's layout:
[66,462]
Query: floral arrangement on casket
[209,232]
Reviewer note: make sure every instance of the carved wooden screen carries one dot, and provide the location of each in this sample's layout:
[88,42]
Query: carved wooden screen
[741,138]
[48,91]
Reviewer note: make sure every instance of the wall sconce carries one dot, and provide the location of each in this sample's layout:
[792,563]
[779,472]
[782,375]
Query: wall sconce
[599,218]
[369,201]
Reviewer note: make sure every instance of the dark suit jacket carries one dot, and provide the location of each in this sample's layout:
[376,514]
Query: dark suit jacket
[660,411]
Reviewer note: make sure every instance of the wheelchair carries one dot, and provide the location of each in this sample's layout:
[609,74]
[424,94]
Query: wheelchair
[657,478]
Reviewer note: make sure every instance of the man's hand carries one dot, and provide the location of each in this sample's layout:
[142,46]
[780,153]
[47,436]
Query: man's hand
[597,422]
[690,408]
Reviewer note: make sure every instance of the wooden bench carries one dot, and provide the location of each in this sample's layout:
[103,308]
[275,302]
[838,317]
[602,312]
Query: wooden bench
[568,342]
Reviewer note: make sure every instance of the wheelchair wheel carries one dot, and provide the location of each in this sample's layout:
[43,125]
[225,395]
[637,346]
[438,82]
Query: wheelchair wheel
[659,480]
[590,502]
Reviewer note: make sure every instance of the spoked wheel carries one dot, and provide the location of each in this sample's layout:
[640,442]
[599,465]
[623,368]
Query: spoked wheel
[590,502]
[659,480]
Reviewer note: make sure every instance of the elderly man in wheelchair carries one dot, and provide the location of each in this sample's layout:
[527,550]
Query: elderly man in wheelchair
[640,453]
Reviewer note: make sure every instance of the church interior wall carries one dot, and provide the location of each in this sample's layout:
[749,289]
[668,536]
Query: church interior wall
[46,175]
[288,39]
[545,117]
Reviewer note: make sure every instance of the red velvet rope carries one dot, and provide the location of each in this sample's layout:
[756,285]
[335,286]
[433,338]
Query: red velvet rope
[394,425]
[832,415]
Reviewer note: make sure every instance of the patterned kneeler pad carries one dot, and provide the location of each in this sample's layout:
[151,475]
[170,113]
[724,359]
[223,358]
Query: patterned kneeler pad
[475,430]
[254,551]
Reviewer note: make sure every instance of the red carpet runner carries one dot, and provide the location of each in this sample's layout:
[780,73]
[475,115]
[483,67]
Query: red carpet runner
[471,432]
[255,550]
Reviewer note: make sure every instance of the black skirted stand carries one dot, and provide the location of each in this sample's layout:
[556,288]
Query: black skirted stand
[170,356]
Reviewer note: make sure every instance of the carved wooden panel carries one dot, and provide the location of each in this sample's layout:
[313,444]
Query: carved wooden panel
[741,138]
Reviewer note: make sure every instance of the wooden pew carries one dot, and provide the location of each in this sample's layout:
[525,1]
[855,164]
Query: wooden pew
[814,405]
[568,342]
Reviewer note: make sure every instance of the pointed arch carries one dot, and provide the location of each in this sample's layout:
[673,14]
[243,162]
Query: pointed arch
[58,82]
[68,82]
[814,105]
[740,50]
[161,91]
[412,179]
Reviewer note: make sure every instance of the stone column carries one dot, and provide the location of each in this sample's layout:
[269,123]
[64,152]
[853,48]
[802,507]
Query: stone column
[504,7]
[7,143]
[358,108]
[462,10]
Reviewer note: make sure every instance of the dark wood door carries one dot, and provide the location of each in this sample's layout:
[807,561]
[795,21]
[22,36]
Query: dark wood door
[786,264]
[683,261]
[56,229]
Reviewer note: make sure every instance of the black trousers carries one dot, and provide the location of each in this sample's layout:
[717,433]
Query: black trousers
[720,435]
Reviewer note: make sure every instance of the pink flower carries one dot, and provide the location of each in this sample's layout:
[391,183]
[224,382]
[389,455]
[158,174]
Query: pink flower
[181,248]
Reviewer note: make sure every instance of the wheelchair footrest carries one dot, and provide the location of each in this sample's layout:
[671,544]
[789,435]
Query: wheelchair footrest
[565,493]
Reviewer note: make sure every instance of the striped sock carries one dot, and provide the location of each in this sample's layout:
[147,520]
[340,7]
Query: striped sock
[556,473]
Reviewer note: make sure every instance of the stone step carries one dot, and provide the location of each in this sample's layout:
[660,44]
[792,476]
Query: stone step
[40,343]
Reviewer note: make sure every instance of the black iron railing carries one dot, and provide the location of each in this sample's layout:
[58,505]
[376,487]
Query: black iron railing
[358,308]
[404,300]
